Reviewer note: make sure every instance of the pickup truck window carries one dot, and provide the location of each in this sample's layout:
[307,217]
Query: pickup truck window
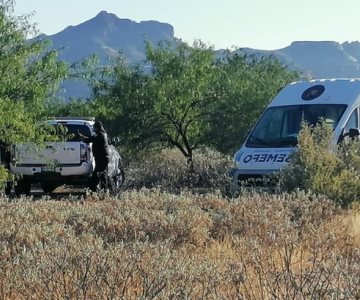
[71,130]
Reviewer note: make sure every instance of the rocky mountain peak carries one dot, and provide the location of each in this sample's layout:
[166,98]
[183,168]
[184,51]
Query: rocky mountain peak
[106,35]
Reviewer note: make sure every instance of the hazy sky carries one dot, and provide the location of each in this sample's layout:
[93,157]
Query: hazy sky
[259,24]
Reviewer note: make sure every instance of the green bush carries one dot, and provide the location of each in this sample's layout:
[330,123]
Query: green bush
[323,168]
[3,174]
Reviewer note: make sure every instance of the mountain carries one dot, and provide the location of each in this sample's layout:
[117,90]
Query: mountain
[323,59]
[106,35]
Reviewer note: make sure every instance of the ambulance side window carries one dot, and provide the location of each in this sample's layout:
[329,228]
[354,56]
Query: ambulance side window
[353,121]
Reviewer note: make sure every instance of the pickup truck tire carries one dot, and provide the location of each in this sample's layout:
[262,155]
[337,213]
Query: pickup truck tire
[119,178]
[48,187]
[22,187]
[117,181]
[8,188]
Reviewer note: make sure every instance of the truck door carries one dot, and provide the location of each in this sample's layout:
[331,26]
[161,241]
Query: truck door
[352,123]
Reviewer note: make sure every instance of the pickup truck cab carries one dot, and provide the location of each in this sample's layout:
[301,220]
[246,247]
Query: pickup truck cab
[68,162]
[267,147]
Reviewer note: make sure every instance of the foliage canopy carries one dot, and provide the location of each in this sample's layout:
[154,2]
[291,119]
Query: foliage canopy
[188,96]
[30,74]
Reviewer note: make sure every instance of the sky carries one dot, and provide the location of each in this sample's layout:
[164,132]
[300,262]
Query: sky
[258,24]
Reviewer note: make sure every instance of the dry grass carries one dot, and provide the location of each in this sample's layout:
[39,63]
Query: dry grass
[154,245]
[168,170]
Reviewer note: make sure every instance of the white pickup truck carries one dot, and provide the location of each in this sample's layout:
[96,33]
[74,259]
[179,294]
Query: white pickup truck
[57,163]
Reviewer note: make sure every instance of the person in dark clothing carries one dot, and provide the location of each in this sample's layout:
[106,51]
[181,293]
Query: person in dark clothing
[101,152]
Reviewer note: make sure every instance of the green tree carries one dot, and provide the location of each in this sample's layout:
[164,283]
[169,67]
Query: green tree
[166,101]
[184,97]
[249,83]
[30,73]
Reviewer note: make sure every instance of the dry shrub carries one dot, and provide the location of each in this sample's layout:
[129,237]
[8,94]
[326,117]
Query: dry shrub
[154,245]
[168,170]
[322,168]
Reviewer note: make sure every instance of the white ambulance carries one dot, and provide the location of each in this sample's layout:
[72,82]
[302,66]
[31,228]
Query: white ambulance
[268,145]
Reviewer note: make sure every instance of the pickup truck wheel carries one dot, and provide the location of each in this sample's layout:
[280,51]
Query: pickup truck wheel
[118,179]
[8,188]
[22,187]
[48,187]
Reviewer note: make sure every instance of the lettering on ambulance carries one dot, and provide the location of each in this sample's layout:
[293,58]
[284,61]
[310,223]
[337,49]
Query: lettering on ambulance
[262,158]
[247,158]
[271,157]
[283,157]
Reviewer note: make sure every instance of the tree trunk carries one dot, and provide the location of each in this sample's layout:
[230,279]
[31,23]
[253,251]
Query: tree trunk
[190,164]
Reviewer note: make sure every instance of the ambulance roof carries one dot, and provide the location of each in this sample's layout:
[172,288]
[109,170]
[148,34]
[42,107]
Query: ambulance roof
[319,91]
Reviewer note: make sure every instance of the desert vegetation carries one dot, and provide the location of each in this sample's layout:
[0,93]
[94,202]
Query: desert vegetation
[171,236]
[150,244]
[168,171]
[324,167]
[175,231]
